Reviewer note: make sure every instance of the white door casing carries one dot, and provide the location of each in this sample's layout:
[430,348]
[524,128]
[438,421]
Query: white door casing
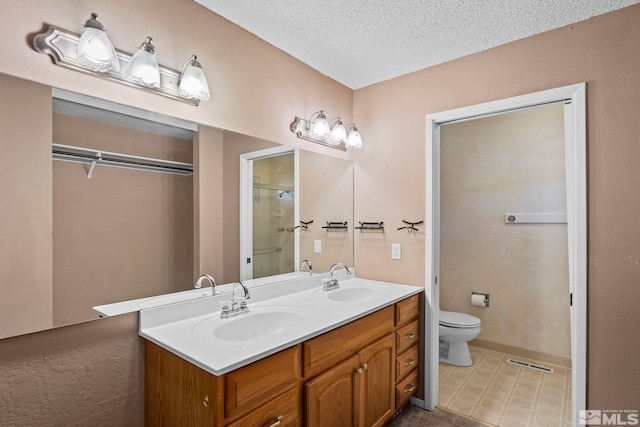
[574,98]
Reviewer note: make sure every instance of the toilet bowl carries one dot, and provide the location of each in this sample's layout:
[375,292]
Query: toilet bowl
[456,330]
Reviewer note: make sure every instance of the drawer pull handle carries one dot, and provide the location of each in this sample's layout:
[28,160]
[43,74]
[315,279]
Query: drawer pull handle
[409,362]
[277,423]
[365,367]
[410,336]
[359,371]
[410,388]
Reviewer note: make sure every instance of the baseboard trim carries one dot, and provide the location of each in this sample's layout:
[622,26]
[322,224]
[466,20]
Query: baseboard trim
[564,362]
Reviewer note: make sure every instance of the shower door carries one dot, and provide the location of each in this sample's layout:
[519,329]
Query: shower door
[268,227]
[273,216]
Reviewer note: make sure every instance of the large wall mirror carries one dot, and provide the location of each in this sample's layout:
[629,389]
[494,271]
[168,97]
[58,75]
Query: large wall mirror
[77,235]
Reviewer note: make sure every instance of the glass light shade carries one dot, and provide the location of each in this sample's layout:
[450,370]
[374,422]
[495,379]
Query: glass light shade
[143,67]
[321,126]
[338,134]
[354,140]
[95,50]
[193,83]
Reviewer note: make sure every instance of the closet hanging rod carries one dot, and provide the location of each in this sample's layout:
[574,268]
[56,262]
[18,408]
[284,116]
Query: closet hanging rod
[90,156]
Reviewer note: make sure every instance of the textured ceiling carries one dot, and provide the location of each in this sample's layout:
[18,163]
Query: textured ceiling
[362,42]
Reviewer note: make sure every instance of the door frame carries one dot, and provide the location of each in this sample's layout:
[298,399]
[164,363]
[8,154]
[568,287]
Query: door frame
[246,204]
[574,99]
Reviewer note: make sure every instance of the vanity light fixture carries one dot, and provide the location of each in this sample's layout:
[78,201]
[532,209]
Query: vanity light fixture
[94,49]
[192,83]
[338,134]
[331,133]
[93,53]
[143,67]
[353,139]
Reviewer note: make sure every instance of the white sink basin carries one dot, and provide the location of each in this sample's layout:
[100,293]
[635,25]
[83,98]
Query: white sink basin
[257,325]
[357,294]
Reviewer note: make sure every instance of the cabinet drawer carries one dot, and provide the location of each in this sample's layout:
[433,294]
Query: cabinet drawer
[328,349]
[406,388]
[283,409]
[406,362]
[407,336]
[249,387]
[407,309]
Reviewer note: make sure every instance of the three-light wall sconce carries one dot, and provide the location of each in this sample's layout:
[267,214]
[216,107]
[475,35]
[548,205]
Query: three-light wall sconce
[93,53]
[331,133]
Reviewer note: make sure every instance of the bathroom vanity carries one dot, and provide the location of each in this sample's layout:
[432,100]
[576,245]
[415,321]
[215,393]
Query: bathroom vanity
[352,355]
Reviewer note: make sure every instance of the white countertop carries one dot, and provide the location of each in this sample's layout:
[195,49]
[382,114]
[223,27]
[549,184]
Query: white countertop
[187,328]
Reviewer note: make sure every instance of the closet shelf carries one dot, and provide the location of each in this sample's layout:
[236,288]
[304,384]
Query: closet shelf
[93,157]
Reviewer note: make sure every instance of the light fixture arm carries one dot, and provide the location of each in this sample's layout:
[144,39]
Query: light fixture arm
[317,114]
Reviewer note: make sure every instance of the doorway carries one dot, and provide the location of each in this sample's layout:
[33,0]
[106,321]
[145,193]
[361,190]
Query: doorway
[269,212]
[573,98]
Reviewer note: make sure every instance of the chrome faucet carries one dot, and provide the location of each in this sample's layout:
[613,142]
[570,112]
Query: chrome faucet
[236,309]
[332,282]
[309,264]
[198,283]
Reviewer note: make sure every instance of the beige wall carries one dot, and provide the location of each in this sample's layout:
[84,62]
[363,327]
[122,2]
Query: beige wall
[122,234]
[256,90]
[509,163]
[326,194]
[208,191]
[25,208]
[390,170]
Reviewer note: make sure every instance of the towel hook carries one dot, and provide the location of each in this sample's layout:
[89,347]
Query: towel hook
[411,226]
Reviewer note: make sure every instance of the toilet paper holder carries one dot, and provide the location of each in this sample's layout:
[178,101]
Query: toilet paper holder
[484,301]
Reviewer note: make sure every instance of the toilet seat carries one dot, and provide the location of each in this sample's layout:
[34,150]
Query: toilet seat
[453,319]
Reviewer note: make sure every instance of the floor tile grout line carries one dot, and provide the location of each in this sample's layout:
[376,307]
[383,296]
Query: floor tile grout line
[485,388]
[467,375]
[483,356]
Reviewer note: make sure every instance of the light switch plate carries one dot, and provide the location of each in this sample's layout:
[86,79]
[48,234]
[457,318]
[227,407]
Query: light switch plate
[396,251]
[317,246]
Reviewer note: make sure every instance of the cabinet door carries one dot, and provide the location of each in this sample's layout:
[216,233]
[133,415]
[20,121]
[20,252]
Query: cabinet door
[377,403]
[330,398]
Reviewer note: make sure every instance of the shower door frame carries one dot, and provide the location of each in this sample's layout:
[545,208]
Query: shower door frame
[246,205]
[574,99]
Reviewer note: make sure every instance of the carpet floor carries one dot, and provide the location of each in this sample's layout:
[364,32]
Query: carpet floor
[413,416]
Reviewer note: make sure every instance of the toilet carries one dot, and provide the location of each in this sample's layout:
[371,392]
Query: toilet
[456,330]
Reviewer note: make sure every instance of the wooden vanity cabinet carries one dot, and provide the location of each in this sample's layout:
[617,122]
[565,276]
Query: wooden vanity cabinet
[263,393]
[407,350]
[252,389]
[359,391]
[178,393]
[359,374]
[350,373]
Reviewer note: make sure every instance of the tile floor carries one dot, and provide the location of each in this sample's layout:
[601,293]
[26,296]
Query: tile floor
[502,394]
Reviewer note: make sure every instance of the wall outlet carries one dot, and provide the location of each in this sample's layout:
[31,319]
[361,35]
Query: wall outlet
[396,251]
[317,246]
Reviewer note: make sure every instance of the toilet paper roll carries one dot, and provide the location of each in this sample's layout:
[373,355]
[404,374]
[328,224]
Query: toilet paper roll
[477,300]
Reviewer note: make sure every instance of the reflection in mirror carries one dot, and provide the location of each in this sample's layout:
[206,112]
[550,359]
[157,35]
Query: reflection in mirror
[121,234]
[71,242]
[273,216]
[268,209]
